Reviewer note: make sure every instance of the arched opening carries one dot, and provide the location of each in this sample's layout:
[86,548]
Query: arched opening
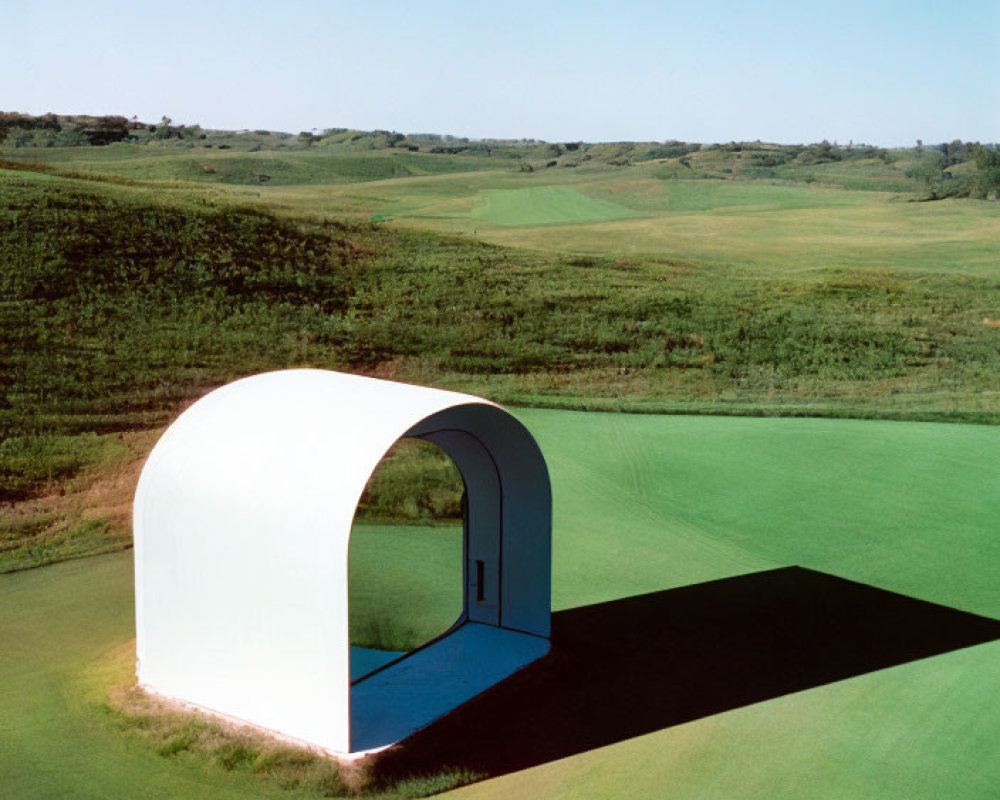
[406,579]
[504,583]
[243,520]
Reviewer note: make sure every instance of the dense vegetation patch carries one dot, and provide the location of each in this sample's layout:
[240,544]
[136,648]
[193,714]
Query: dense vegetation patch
[116,307]
[415,482]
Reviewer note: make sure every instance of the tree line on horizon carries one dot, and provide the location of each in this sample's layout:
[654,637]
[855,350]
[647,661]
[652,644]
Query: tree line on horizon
[932,168]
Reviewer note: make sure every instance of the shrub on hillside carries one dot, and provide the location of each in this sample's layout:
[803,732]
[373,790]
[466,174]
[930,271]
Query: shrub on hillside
[986,181]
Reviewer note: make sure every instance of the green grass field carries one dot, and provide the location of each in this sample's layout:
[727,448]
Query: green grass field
[730,280]
[228,281]
[915,732]
[642,503]
[758,226]
[761,227]
[60,626]
[405,584]
[544,205]
[243,167]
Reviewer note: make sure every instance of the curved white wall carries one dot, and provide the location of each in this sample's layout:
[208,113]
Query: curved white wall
[243,516]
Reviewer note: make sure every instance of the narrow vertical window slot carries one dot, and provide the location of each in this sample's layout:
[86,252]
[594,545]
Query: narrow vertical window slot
[480,582]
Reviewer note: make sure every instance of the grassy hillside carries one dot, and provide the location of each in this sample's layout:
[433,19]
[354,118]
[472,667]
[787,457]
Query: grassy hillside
[764,207]
[276,168]
[737,279]
[92,140]
[765,227]
[642,503]
[121,302]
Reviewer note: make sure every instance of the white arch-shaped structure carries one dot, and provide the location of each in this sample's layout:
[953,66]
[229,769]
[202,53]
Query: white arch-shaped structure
[243,517]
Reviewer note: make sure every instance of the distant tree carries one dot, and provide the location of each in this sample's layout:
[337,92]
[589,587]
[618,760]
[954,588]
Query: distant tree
[938,183]
[671,149]
[986,180]
[821,153]
[956,151]
[105,130]
[49,122]
[24,129]
[163,130]
[920,145]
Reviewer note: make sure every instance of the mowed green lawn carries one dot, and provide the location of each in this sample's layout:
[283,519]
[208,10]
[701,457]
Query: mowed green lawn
[394,605]
[955,236]
[545,205]
[642,503]
[60,628]
[761,226]
[758,225]
[921,731]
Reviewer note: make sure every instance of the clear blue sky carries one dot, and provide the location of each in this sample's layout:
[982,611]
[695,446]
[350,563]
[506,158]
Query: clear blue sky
[881,72]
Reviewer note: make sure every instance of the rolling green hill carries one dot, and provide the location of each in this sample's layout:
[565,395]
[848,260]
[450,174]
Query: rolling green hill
[122,301]
[280,168]
[761,227]
[93,140]
[748,279]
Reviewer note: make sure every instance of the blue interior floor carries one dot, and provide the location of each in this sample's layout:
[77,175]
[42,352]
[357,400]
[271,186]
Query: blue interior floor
[364,660]
[405,697]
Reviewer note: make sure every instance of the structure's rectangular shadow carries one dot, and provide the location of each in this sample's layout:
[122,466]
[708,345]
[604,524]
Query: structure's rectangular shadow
[629,667]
